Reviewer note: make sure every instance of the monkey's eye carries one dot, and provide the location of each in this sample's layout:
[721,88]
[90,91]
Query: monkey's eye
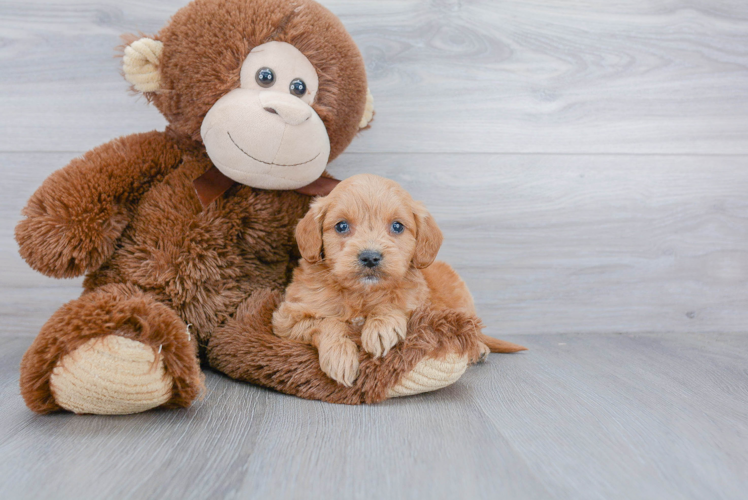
[397,227]
[297,87]
[265,77]
[342,227]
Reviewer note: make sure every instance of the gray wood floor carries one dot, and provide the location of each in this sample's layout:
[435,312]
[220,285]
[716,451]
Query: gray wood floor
[577,417]
[588,163]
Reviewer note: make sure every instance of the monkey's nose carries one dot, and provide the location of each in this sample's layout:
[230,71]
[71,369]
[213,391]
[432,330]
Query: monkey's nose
[290,108]
[370,258]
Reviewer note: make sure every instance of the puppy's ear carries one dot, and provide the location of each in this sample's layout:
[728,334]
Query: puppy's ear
[309,232]
[428,238]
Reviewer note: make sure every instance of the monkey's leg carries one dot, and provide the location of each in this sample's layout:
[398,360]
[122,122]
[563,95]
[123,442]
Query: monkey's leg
[115,350]
[433,355]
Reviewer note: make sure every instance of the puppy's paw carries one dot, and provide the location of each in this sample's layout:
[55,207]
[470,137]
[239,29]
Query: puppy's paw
[339,360]
[484,352]
[381,333]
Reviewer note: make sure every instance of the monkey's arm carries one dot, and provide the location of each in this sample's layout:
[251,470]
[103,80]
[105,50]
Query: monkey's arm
[72,222]
[245,348]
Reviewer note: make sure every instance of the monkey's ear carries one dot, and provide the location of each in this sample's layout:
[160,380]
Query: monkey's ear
[368,111]
[428,238]
[309,233]
[141,64]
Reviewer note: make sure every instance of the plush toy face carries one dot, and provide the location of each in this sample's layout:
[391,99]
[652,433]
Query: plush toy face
[265,133]
[274,89]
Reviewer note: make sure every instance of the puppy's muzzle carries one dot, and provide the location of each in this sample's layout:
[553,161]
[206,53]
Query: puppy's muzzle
[370,258]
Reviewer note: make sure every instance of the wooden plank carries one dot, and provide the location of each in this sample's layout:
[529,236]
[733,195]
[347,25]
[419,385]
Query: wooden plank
[27,298]
[547,244]
[577,416]
[582,76]
[621,416]
[552,244]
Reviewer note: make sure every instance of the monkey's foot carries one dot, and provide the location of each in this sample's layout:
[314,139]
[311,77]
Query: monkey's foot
[111,375]
[431,374]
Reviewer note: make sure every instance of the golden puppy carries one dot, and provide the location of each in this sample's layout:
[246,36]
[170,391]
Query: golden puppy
[368,258]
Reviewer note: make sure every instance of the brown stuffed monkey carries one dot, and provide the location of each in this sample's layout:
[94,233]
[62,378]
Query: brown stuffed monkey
[268,92]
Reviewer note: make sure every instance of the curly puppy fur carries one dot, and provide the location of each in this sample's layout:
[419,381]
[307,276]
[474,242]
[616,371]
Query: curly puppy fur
[369,252]
[126,215]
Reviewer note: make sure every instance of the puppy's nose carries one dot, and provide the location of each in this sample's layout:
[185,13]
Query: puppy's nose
[370,258]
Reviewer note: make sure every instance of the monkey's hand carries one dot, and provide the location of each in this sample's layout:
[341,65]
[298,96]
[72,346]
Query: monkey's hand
[73,221]
[382,331]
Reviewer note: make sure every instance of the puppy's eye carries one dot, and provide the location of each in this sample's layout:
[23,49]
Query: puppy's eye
[265,77]
[297,87]
[342,227]
[397,227]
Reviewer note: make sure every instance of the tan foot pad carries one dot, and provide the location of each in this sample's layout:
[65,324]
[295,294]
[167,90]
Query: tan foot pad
[430,374]
[111,375]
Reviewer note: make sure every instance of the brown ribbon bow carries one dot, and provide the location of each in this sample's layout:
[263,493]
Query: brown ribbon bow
[214,183]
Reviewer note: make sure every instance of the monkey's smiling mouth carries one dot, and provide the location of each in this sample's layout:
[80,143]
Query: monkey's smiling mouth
[266,162]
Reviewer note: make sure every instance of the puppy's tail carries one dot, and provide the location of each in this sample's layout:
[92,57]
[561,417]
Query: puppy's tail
[497,345]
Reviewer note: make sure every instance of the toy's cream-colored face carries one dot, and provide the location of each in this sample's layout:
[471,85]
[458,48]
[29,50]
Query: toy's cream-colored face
[265,133]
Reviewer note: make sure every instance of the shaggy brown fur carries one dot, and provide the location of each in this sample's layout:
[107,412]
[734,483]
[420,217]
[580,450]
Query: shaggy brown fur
[126,216]
[114,309]
[248,350]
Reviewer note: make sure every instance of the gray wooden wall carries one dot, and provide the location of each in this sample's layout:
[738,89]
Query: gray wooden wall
[585,159]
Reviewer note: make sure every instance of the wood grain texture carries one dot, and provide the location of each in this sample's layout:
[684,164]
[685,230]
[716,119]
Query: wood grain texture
[547,244]
[582,76]
[576,417]
[568,243]
[587,163]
